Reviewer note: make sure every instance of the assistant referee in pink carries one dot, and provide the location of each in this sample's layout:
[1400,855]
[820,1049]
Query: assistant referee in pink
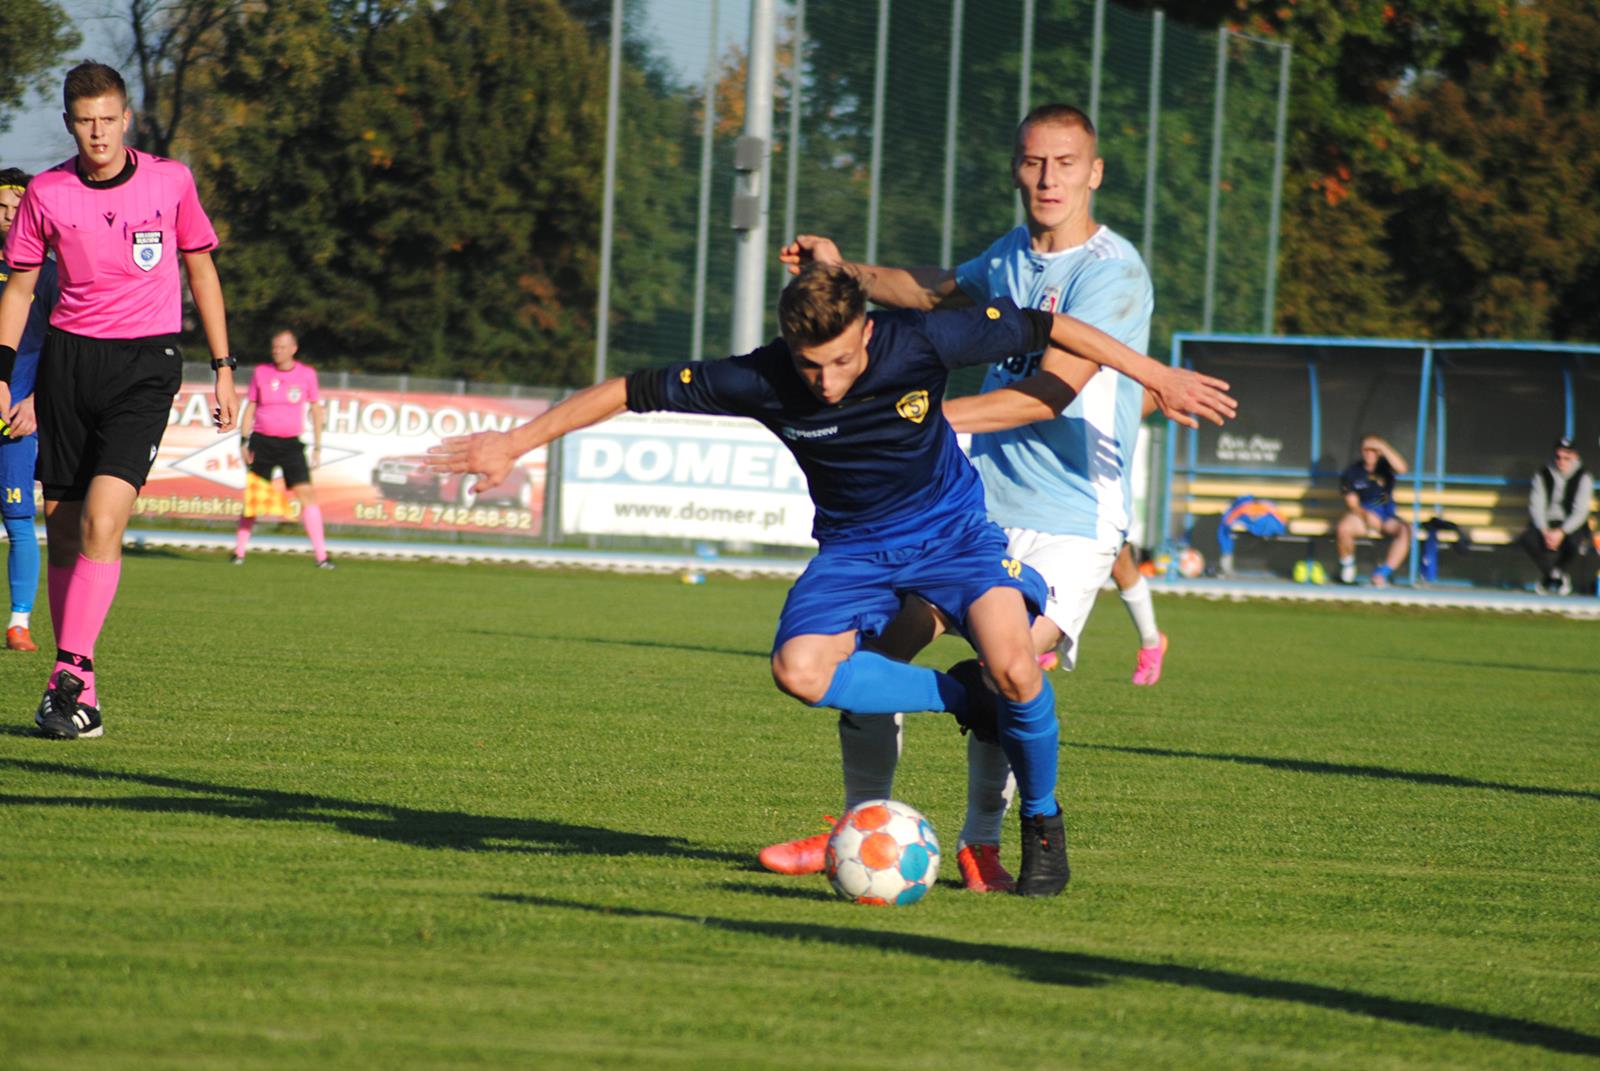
[119,222]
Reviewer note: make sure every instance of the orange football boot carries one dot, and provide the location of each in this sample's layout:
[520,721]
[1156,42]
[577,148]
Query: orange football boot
[17,639]
[804,856]
[981,870]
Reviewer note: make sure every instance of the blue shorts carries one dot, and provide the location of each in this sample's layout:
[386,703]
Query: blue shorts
[17,457]
[861,588]
[1384,510]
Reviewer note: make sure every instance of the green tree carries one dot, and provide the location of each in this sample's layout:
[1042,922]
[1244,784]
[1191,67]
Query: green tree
[34,35]
[416,186]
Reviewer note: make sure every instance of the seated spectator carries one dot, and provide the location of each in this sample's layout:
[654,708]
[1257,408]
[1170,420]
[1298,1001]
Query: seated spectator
[1368,488]
[1558,511]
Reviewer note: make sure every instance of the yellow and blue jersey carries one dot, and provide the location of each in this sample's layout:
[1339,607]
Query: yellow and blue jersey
[882,464]
[45,293]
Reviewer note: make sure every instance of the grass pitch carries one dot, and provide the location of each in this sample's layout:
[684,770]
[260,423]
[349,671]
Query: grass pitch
[425,815]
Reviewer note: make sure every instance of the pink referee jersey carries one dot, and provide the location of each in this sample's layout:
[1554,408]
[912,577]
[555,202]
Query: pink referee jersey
[117,244]
[280,398]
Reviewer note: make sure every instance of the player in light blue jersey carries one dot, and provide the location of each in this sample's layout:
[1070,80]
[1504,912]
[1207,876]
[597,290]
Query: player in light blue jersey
[1060,486]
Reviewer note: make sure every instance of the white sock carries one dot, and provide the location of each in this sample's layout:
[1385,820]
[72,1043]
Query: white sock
[990,789]
[19,618]
[1143,611]
[869,749]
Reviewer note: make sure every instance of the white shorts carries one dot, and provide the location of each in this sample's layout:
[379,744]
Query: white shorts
[1075,569]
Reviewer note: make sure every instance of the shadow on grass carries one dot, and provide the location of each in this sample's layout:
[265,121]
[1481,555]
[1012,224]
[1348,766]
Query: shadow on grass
[628,643]
[451,830]
[1523,667]
[1080,969]
[1379,773]
[810,891]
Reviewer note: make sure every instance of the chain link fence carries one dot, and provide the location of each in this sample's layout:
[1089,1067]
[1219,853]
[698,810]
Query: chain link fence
[892,133]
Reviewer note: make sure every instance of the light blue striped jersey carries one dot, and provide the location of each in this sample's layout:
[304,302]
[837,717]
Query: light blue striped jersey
[1067,476]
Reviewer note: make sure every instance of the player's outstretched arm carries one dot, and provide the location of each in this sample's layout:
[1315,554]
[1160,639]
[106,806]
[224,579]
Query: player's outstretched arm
[490,454]
[1041,396]
[922,288]
[1180,394]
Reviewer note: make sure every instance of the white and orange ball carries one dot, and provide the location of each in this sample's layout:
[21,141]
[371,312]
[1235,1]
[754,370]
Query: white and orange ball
[883,852]
[1191,563]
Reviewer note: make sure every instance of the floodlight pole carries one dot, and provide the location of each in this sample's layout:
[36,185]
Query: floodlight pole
[753,185]
[708,130]
[608,225]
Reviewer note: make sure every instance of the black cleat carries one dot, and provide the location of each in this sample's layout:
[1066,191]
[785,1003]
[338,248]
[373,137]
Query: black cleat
[326,563]
[982,716]
[1044,856]
[62,717]
[237,559]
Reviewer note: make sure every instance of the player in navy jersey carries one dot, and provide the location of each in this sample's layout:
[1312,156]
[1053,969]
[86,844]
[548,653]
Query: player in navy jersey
[20,449]
[1368,489]
[856,398]
[1059,482]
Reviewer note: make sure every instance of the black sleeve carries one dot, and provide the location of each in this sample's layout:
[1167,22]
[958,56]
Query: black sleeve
[646,390]
[1040,323]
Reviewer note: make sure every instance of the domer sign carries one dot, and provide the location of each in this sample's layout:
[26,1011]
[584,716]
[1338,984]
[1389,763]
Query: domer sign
[684,477]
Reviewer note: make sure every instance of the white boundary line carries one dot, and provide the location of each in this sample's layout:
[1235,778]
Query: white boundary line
[1572,606]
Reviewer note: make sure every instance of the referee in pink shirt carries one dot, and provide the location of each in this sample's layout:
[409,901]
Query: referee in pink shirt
[119,222]
[270,426]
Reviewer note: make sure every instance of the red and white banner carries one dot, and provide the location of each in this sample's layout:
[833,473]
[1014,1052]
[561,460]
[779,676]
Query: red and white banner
[374,469]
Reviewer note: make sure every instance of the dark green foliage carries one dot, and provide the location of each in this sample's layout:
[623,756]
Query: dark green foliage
[34,34]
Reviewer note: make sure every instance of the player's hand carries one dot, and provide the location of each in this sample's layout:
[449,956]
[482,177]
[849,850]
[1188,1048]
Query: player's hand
[8,412]
[249,456]
[226,410]
[488,454]
[809,249]
[23,421]
[1182,395]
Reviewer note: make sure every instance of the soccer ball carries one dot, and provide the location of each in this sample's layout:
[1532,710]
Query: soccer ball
[1191,563]
[883,852]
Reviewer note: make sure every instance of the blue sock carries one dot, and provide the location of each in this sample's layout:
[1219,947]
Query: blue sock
[868,683]
[22,563]
[1030,734]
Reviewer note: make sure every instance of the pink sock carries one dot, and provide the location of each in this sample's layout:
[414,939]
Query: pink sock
[57,577]
[241,538]
[89,598]
[313,519]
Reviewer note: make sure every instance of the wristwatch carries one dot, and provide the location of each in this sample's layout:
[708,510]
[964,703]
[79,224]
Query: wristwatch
[219,363]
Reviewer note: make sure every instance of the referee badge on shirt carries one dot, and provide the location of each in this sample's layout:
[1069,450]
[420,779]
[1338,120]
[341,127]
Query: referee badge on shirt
[146,249]
[914,406]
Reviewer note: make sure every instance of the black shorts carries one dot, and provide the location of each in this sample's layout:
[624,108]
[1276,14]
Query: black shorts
[102,405]
[270,452]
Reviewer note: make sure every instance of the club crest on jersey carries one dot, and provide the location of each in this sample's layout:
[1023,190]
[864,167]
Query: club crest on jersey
[913,407]
[1051,300]
[146,249]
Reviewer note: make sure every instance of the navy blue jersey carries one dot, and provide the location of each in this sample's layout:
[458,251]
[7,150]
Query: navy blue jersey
[882,463]
[1373,489]
[45,292]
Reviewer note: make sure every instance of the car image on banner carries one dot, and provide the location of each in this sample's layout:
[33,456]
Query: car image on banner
[408,478]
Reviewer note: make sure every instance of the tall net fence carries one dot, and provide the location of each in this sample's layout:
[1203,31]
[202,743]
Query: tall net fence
[892,133]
